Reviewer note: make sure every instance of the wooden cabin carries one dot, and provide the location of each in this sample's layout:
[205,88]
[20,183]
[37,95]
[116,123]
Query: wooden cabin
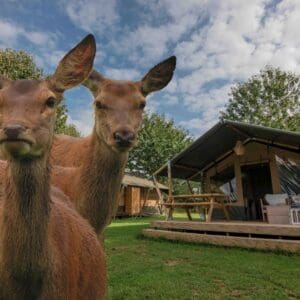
[139,197]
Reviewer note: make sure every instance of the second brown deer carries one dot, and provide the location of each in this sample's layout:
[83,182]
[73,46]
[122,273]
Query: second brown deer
[47,250]
[100,158]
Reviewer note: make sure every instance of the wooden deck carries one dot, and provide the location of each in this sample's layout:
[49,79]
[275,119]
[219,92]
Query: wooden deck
[239,234]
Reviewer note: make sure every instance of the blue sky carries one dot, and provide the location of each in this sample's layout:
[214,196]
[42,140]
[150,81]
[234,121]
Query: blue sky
[217,43]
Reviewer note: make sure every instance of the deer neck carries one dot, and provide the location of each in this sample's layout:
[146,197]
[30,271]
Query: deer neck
[24,223]
[101,178]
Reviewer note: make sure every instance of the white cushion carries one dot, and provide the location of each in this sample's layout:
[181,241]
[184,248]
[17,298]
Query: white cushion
[276,199]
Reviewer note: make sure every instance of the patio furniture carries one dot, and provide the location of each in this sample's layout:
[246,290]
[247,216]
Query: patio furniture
[295,216]
[278,214]
[275,209]
[209,201]
[263,211]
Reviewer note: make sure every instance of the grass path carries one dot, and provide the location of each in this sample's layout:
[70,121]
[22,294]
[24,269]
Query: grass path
[154,269]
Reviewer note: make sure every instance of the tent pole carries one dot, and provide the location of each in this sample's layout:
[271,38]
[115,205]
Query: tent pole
[239,185]
[171,199]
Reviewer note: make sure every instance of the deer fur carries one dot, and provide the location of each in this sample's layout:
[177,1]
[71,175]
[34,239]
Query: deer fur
[100,159]
[47,250]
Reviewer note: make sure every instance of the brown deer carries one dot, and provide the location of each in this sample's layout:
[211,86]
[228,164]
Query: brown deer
[101,157]
[47,250]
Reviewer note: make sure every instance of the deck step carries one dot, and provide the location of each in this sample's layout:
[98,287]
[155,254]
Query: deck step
[232,241]
[232,228]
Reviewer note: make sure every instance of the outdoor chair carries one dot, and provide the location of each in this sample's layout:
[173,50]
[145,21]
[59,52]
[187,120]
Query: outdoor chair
[295,209]
[263,211]
[275,208]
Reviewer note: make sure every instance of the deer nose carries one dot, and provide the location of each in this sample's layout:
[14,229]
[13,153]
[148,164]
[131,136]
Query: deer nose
[124,138]
[12,131]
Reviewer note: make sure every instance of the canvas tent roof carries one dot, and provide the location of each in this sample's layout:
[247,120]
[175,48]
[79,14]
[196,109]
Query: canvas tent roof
[220,141]
[140,182]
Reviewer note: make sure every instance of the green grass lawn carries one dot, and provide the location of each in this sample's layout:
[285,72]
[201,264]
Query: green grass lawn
[140,268]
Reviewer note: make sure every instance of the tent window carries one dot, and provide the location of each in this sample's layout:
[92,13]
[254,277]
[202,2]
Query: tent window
[226,183]
[289,175]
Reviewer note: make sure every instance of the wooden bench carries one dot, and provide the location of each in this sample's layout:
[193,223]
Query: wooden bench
[209,205]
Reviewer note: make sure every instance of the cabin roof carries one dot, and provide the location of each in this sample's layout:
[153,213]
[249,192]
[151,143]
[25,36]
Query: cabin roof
[140,182]
[219,141]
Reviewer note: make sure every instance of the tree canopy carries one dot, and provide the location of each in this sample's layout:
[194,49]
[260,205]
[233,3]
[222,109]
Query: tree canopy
[270,98]
[159,140]
[20,65]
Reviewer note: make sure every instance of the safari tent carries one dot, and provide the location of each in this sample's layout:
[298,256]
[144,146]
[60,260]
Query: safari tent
[237,165]
[243,161]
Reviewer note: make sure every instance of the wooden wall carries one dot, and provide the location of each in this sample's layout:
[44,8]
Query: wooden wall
[134,199]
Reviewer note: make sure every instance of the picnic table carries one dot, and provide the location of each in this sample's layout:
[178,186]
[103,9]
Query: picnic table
[207,201]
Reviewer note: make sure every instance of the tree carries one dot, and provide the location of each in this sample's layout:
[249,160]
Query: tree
[159,140]
[20,65]
[270,98]
[61,125]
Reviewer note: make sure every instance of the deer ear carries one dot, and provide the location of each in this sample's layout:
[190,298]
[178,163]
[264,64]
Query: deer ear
[3,81]
[93,83]
[76,65]
[159,76]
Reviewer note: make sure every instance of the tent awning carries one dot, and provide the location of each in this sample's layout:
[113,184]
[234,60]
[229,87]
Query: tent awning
[219,141]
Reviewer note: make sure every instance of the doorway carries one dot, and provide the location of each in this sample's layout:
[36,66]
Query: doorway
[256,180]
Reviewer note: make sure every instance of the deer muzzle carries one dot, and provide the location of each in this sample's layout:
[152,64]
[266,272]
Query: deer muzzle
[124,138]
[14,140]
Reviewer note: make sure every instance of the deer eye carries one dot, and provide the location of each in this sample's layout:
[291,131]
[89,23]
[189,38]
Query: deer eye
[142,105]
[100,105]
[50,102]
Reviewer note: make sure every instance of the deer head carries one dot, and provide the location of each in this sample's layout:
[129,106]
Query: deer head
[27,107]
[119,104]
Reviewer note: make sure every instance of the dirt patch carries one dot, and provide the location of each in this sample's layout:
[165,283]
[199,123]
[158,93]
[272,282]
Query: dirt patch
[171,262]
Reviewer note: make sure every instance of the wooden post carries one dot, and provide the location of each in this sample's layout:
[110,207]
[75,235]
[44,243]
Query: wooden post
[188,214]
[171,199]
[170,182]
[146,198]
[210,210]
[160,196]
[207,183]
[224,208]
[189,186]
[274,175]
[239,183]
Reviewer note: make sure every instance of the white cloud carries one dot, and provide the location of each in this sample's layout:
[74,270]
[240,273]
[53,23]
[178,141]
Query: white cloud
[44,43]
[151,42]
[122,74]
[152,105]
[49,59]
[83,120]
[212,100]
[93,15]
[11,32]
[38,38]
[195,126]
[240,38]
[170,99]
[208,105]
[8,33]
[198,126]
